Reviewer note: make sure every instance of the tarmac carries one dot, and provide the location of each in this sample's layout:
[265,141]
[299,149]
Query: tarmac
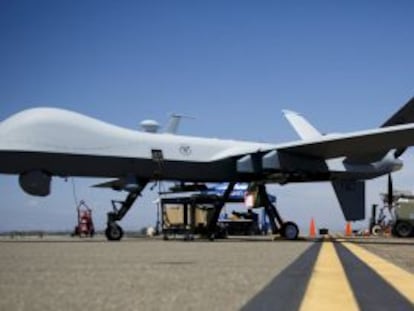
[63,273]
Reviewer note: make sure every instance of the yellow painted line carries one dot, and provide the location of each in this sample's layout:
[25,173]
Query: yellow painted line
[328,287]
[401,280]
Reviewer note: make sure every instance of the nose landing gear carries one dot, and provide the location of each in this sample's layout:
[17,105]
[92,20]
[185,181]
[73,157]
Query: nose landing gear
[114,232]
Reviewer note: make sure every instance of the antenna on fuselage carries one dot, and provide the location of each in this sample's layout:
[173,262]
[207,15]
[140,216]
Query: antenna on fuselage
[150,126]
[174,122]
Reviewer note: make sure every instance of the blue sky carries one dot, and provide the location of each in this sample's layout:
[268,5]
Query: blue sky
[233,65]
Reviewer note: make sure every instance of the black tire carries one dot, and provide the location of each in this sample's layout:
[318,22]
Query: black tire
[403,229]
[114,232]
[377,230]
[393,231]
[289,231]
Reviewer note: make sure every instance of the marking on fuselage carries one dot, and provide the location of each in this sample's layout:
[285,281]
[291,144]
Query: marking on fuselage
[185,150]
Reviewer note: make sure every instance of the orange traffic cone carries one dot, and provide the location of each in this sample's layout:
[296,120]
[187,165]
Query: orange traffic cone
[312,229]
[348,229]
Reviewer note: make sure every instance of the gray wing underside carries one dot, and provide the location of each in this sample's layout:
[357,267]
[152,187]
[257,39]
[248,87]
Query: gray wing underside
[397,133]
[358,144]
[353,147]
[403,116]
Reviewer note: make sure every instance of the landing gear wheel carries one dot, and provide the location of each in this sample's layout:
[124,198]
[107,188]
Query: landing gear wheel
[289,230]
[403,229]
[376,230]
[114,232]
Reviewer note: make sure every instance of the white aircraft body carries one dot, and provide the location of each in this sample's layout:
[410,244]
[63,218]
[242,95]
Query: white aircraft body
[39,143]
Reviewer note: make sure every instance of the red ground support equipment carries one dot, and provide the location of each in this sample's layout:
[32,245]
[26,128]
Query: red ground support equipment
[85,227]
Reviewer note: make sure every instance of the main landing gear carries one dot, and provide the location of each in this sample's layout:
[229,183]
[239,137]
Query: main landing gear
[287,229]
[114,231]
[212,223]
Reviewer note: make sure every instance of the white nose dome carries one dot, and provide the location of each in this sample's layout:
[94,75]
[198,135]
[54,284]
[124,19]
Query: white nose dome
[150,126]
